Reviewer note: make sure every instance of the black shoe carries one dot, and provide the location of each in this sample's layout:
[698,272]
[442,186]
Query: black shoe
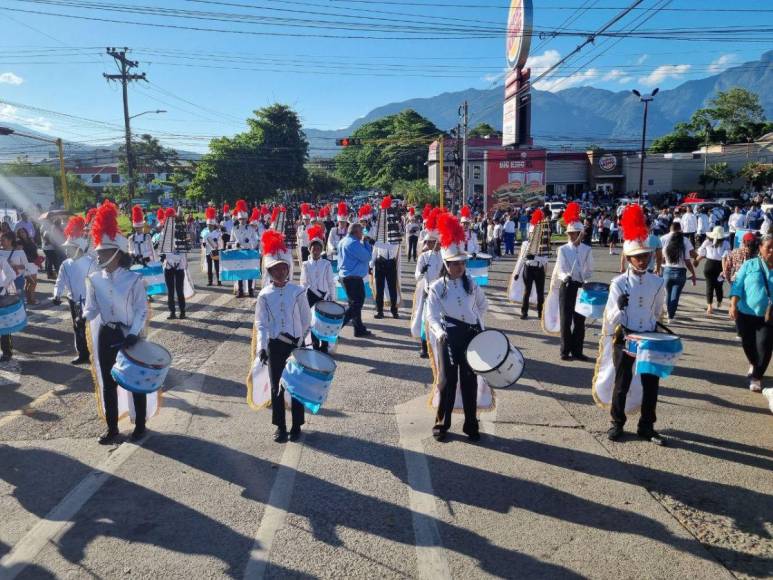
[378,315]
[581,357]
[138,433]
[295,433]
[524,316]
[615,433]
[363,334]
[439,435]
[652,436]
[423,354]
[5,357]
[182,315]
[566,357]
[396,315]
[79,360]
[474,437]
[280,435]
[252,294]
[240,295]
[209,283]
[172,316]
[219,283]
[109,437]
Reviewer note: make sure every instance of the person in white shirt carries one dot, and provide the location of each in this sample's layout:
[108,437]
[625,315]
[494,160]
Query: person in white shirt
[116,309]
[412,229]
[498,238]
[212,243]
[574,267]
[338,233]
[702,226]
[317,277]
[635,304]
[7,288]
[384,263]
[243,237]
[455,312]
[282,321]
[71,283]
[508,234]
[471,245]
[528,281]
[428,268]
[140,243]
[16,259]
[226,225]
[714,250]
[303,237]
[677,254]
[689,224]
[735,222]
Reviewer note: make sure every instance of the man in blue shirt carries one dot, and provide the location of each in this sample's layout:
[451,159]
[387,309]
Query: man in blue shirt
[353,263]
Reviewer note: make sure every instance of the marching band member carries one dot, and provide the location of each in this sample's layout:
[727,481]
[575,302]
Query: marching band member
[243,236]
[302,235]
[140,243]
[428,268]
[635,304]
[425,213]
[116,309]
[364,215]
[256,224]
[227,225]
[282,320]
[456,307]
[7,287]
[471,245]
[317,277]
[384,263]
[212,242]
[574,267]
[71,282]
[338,233]
[173,245]
[412,230]
[528,282]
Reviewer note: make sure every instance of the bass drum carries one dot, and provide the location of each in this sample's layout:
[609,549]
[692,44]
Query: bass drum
[491,356]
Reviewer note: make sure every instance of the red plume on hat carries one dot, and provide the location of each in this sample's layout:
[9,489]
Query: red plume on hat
[450,230]
[305,208]
[324,211]
[312,214]
[160,214]
[75,227]
[90,215]
[572,212]
[537,216]
[170,213]
[105,223]
[210,213]
[342,209]
[426,212]
[273,242]
[365,211]
[138,215]
[316,232]
[386,203]
[264,210]
[432,219]
[634,224]
[412,211]
[226,209]
[275,214]
[255,216]
[466,211]
[241,206]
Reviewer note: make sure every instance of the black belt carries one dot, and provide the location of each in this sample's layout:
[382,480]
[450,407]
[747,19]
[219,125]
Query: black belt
[461,323]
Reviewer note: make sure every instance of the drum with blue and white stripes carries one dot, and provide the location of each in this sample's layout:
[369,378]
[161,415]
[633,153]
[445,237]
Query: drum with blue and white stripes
[13,316]
[307,377]
[656,352]
[238,265]
[592,299]
[477,268]
[153,277]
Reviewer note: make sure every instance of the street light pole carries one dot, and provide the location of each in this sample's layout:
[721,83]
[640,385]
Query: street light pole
[646,100]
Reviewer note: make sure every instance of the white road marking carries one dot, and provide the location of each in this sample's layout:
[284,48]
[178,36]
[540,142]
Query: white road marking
[62,517]
[275,513]
[431,558]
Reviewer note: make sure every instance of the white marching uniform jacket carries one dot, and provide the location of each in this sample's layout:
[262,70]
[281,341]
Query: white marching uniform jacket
[448,297]
[471,245]
[281,310]
[384,250]
[317,276]
[213,240]
[646,298]
[117,298]
[245,237]
[332,242]
[71,281]
[227,225]
[303,236]
[434,263]
[141,244]
[175,261]
[575,262]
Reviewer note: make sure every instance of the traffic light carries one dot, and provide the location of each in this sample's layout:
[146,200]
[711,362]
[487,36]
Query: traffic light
[348,142]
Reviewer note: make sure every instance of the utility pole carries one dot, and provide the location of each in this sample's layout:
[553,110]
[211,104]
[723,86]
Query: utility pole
[646,99]
[463,113]
[125,65]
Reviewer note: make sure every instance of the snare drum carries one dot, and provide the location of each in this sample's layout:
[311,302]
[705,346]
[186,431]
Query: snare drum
[327,319]
[341,291]
[142,368]
[13,316]
[152,276]
[592,299]
[307,377]
[656,352]
[491,356]
[236,265]
[478,268]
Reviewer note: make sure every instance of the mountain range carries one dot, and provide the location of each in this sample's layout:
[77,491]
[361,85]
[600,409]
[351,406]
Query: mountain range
[578,116]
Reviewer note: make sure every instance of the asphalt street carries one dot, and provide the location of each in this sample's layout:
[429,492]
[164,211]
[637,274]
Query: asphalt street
[367,492]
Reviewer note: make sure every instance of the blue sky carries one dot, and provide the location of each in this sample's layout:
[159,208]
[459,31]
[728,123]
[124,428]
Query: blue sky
[56,63]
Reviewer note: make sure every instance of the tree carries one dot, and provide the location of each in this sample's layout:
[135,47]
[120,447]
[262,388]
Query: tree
[732,116]
[757,175]
[148,157]
[269,156]
[416,192]
[322,182]
[717,173]
[393,148]
[680,139]
[483,130]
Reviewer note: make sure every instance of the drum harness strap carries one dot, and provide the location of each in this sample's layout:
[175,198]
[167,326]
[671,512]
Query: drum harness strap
[461,325]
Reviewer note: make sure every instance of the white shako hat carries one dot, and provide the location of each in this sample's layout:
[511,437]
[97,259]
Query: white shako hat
[274,249]
[105,231]
[74,231]
[572,217]
[211,214]
[138,216]
[452,238]
[635,231]
[240,209]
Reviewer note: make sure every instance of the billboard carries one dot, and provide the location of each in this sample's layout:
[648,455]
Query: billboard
[519,31]
[32,194]
[514,177]
[510,122]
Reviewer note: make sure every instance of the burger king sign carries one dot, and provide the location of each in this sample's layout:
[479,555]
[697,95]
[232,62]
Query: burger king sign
[607,162]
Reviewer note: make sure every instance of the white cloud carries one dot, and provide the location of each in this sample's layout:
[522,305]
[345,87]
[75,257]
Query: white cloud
[9,78]
[642,59]
[11,114]
[613,75]
[723,62]
[491,77]
[666,71]
[542,62]
[561,83]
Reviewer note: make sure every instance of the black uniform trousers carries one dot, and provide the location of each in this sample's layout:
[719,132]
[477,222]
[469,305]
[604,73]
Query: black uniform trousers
[623,376]
[413,243]
[250,286]
[6,344]
[757,342]
[385,271]
[572,324]
[110,341]
[317,344]
[355,294]
[533,276]
[712,270]
[304,253]
[278,353]
[213,264]
[175,284]
[453,370]
[79,329]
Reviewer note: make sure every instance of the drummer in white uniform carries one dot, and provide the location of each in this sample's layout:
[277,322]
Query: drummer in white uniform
[243,237]
[471,245]
[339,232]
[282,321]
[428,268]
[317,277]
[140,243]
[635,304]
[456,308]
[115,297]
[212,242]
[71,282]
